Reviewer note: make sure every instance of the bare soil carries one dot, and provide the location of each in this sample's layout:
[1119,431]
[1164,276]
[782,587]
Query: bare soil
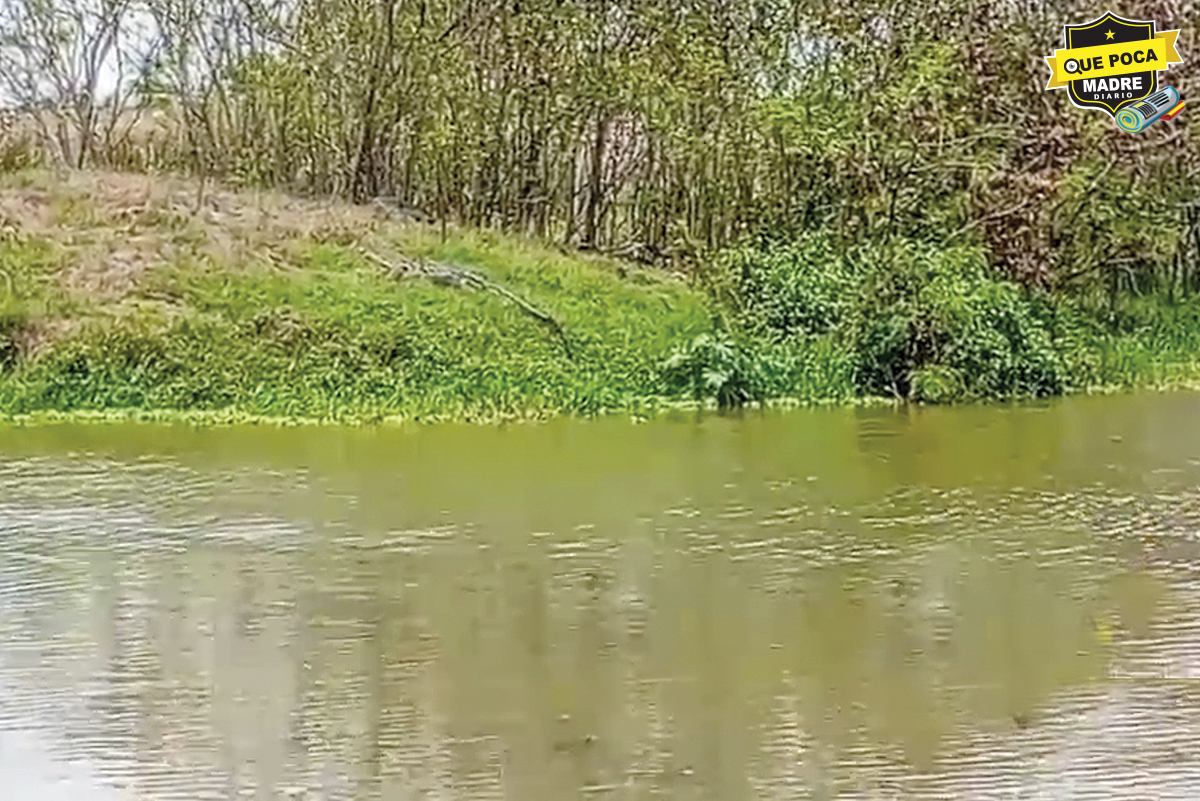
[115,227]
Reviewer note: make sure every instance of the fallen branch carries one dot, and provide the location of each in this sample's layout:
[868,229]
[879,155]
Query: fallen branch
[448,275]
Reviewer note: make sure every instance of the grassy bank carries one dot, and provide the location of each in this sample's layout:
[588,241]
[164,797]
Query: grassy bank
[119,298]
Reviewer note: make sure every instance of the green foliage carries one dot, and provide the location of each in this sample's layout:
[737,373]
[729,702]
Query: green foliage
[883,167]
[1111,226]
[791,290]
[668,129]
[715,367]
[1148,341]
[18,154]
[902,309]
[937,383]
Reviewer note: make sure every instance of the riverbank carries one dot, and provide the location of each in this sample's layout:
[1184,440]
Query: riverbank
[123,299]
[137,297]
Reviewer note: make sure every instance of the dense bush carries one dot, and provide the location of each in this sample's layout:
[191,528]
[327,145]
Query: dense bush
[887,165]
[920,321]
[712,366]
[790,291]
[717,367]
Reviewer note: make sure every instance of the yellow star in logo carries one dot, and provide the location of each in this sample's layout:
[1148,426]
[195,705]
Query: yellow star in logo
[1108,34]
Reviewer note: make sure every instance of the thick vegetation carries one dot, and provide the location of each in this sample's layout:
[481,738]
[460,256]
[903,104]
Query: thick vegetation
[867,200]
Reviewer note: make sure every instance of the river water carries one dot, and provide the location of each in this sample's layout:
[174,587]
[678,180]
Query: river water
[979,602]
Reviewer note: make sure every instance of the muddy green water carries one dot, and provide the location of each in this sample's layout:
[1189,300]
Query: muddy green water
[975,603]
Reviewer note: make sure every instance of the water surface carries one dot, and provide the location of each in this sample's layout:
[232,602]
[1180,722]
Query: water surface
[983,602]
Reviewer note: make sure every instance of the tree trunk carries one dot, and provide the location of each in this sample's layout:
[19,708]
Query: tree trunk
[594,185]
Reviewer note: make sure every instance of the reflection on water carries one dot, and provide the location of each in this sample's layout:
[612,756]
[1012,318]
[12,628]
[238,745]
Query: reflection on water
[989,602]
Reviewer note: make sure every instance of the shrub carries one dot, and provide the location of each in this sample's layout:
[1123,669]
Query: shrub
[920,321]
[790,290]
[937,383]
[714,367]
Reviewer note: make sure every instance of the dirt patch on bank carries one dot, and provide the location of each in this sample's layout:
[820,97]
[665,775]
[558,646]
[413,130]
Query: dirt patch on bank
[109,275]
[26,210]
[36,336]
[224,215]
[116,227]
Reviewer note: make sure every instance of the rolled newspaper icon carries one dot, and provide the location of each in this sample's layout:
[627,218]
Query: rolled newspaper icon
[1136,117]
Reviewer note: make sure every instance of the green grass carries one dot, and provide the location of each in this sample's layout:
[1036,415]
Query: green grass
[335,339]
[1148,342]
[322,334]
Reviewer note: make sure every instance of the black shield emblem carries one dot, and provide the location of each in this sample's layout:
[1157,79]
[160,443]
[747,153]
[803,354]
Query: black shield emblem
[1110,29]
